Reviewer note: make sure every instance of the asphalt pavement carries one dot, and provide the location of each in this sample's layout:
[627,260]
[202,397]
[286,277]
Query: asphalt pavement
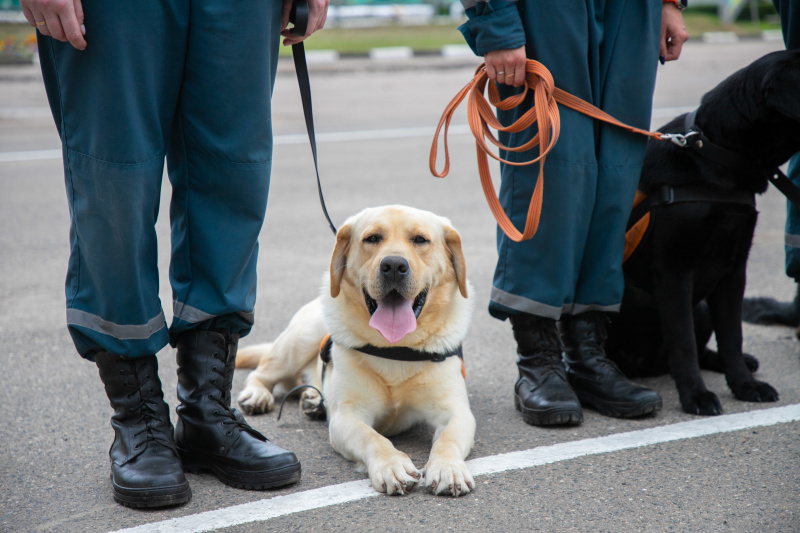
[375,122]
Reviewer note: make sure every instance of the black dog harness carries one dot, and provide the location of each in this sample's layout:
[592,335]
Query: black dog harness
[397,353]
[638,223]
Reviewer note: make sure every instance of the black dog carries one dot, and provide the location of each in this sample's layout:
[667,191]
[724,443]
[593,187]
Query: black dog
[687,276]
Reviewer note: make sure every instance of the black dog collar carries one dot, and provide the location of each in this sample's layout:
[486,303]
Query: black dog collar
[395,353]
[399,353]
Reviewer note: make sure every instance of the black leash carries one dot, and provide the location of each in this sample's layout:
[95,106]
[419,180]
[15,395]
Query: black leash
[299,17]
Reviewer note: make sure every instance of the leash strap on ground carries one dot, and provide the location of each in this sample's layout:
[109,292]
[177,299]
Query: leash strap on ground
[299,17]
[544,113]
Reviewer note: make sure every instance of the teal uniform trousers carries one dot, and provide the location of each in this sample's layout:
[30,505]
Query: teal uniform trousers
[189,82]
[790,22]
[606,52]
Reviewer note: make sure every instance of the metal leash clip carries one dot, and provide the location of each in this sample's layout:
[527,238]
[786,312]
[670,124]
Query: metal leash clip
[680,139]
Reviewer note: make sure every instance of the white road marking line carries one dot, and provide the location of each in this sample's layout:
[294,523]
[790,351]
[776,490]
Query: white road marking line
[263,510]
[30,155]
[337,136]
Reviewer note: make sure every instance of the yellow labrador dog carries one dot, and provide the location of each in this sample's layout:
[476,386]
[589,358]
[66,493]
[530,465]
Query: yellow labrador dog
[395,305]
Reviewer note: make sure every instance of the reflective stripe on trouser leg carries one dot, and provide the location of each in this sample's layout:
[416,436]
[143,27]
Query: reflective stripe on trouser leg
[112,104]
[219,164]
[573,263]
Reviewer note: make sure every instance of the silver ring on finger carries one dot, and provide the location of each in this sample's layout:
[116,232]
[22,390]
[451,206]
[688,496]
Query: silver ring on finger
[501,72]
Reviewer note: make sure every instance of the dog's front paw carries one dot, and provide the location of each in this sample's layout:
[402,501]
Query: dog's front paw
[700,402]
[448,477]
[312,405]
[394,475]
[755,391]
[255,400]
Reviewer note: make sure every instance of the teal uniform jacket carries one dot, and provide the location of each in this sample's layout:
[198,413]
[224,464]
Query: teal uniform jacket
[606,52]
[182,80]
[790,22]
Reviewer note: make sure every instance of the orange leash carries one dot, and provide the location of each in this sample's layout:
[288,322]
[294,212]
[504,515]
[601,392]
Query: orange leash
[544,112]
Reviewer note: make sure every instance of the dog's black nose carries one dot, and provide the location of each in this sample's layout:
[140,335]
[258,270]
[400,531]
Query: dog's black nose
[394,268]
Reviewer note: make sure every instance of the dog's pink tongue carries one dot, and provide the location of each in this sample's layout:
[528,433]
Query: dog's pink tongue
[394,318]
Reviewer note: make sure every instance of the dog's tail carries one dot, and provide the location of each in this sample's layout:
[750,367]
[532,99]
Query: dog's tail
[250,356]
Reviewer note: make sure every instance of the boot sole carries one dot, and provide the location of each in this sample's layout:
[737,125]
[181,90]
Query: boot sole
[266,479]
[549,417]
[154,497]
[620,410]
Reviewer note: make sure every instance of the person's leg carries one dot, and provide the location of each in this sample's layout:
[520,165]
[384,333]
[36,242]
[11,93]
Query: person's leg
[627,46]
[219,166]
[534,280]
[113,105]
[790,23]
[769,310]
[538,276]
[792,241]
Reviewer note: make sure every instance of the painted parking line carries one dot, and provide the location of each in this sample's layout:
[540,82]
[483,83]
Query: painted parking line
[266,509]
[336,136]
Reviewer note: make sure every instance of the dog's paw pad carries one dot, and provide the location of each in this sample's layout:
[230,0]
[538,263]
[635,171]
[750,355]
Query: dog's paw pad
[255,401]
[448,478]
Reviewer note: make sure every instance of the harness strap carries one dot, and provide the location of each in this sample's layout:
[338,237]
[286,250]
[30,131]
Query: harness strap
[544,113]
[400,353]
[639,220]
[394,353]
[698,141]
[786,186]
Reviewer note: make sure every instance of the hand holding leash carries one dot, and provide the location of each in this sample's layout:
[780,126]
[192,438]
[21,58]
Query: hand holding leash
[307,16]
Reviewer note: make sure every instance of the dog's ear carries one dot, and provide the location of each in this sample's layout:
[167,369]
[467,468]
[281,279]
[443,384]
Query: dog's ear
[781,88]
[453,241]
[339,258]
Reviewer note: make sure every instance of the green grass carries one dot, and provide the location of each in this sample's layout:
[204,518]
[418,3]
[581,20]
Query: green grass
[361,40]
[702,20]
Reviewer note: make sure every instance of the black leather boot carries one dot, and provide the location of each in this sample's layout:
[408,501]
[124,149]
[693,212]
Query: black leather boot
[145,467]
[595,378]
[210,434]
[542,393]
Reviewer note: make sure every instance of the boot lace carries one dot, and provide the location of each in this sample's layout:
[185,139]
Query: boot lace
[232,416]
[150,410]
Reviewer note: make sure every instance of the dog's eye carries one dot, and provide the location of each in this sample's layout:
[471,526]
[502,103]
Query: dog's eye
[373,239]
[419,239]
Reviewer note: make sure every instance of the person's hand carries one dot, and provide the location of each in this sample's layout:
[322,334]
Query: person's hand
[60,19]
[673,32]
[506,66]
[317,14]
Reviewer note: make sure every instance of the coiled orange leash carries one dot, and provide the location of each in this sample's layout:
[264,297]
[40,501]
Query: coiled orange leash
[544,112]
